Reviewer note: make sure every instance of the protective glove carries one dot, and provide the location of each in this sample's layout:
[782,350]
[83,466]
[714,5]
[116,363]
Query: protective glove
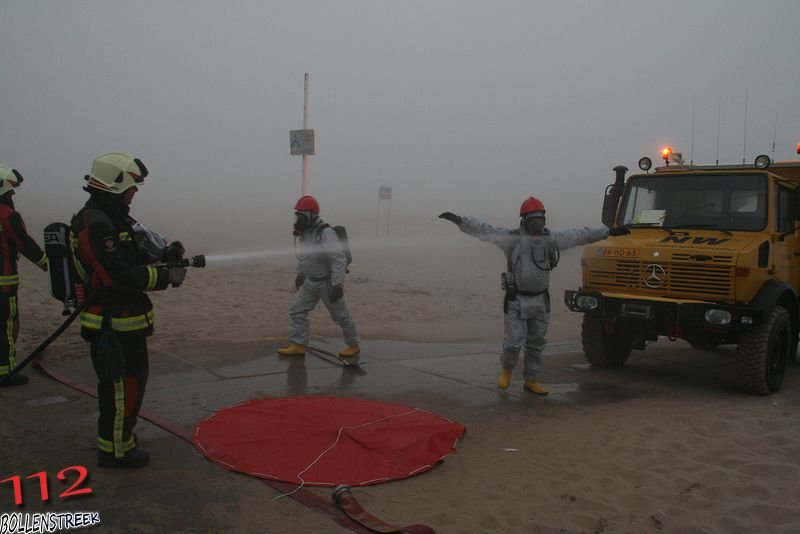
[337,292]
[108,358]
[177,275]
[174,252]
[449,216]
[299,279]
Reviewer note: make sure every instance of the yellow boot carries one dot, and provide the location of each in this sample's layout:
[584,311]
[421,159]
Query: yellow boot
[535,387]
[293,350]
[350,350]
[504,380]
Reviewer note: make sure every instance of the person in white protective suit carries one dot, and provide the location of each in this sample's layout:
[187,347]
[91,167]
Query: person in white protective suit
[532,251]
[321,268]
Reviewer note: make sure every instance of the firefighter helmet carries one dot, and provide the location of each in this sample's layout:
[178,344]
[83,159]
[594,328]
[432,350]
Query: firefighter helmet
[116,172]
[531,205]
[307,203]
[9,179]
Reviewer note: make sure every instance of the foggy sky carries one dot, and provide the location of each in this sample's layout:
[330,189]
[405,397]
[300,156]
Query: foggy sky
[467,106]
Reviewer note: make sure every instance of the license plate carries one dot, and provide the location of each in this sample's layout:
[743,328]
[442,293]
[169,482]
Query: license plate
[619,252]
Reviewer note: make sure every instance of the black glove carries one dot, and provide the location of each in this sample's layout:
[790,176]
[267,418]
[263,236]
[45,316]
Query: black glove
[174,252]
[299,279]
[108,357]
[452,217]
[337,292]
[177,275]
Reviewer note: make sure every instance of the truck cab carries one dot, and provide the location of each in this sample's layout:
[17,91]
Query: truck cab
[708,254]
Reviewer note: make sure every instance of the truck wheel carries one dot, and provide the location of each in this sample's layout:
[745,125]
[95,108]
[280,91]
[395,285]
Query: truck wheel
[601,348]
[763,353]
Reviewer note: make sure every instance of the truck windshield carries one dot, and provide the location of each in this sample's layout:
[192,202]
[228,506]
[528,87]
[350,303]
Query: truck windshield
[726,202]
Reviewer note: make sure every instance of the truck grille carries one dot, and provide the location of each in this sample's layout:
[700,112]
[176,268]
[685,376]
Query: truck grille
[713,279]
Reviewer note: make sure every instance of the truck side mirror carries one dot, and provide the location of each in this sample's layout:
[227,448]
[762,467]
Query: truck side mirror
[609,206]
[613,194]
[796,204]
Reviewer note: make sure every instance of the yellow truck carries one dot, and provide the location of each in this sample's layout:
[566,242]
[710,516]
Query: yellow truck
[708,254]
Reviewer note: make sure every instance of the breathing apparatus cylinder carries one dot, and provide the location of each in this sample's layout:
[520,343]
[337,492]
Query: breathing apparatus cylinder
[65,284]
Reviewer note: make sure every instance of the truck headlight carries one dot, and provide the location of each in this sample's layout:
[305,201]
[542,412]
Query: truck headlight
[719,317]
[587,302]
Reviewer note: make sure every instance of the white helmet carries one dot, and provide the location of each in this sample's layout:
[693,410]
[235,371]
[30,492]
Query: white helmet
[116,172]
[9,179]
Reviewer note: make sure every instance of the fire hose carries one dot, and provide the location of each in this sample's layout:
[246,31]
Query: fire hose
[362,520]
[344,498]
[194,261]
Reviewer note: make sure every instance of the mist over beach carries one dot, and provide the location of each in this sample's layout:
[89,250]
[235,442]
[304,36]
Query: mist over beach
[461,106]
[458,105]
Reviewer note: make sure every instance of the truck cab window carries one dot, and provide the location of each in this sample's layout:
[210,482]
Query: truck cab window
[727,202]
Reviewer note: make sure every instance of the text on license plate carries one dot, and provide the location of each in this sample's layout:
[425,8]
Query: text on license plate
[619,252]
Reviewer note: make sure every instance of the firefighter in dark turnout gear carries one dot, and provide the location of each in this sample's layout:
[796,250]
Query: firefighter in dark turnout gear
[14,240]
[117,270]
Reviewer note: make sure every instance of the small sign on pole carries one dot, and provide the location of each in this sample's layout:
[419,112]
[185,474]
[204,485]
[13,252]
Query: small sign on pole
[384,193]
[301,142]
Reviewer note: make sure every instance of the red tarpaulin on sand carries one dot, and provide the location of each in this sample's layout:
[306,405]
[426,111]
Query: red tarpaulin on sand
[326,441]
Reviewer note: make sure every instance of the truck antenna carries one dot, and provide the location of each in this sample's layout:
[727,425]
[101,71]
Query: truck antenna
[691,151]
[774,136]
[719,115]
[744,144]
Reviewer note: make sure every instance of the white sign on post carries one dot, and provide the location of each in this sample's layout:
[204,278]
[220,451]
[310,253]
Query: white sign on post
[385,193]
[301,142]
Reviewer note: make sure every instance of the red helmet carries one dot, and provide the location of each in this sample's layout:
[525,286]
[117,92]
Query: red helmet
[307,203]
[531,205]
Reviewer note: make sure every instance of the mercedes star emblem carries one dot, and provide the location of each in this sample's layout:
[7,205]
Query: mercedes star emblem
[654,276]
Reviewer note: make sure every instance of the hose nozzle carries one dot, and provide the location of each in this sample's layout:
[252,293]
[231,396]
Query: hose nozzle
[194,261]
[197,261]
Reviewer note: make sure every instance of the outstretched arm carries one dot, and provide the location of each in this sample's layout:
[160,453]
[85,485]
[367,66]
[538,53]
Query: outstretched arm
[502,237]
[578,236]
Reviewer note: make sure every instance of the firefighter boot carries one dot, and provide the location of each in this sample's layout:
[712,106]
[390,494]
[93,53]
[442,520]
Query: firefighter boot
[131,460]
[16,380]
[292,350]
[350,350]
[535,387]
[504,380]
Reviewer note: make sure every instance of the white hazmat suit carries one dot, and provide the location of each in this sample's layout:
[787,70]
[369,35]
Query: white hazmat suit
[530,258]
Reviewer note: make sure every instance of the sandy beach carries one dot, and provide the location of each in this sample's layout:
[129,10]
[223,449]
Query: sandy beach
[667,444]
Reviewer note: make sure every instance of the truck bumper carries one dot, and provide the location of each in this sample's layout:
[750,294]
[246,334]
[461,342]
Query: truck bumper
[665,315]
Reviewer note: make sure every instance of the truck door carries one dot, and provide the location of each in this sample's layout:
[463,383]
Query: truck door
[786,255]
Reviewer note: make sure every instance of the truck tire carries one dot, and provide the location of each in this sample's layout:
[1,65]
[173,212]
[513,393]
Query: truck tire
[763,353]
[601,348]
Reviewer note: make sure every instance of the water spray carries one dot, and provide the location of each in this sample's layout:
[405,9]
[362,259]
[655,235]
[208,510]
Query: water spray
[360,245]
